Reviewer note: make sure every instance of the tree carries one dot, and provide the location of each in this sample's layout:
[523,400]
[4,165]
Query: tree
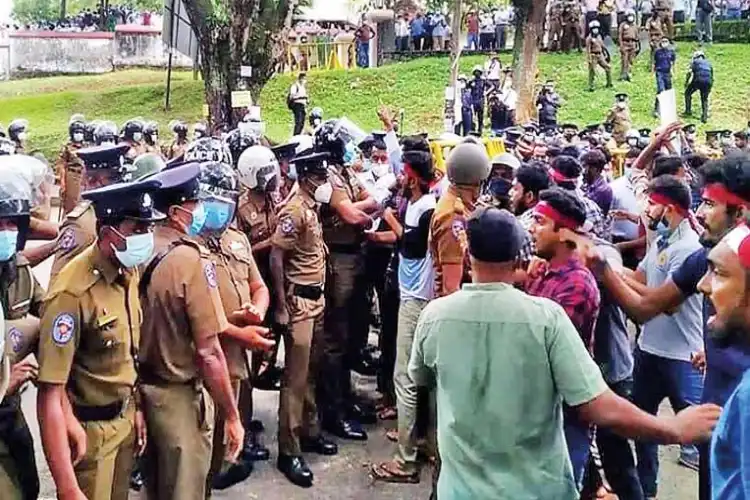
[31,11]
[529,31]
[231,34]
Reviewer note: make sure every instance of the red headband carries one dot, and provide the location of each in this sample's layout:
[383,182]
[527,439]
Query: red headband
[558,177]
[738,240]
[720,194]
[545,209]
[662,199]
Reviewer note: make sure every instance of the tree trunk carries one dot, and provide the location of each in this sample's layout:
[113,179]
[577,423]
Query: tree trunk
[63,9]
[520,21]
[526,66]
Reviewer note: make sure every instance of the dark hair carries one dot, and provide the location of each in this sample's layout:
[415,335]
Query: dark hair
[569,167]
[415,143]
[694,160]
[673,188]
[570,151]
[666,165]
[733,171]
[633,153]
[566,203]
[534,178]
[594,159]
[378,144]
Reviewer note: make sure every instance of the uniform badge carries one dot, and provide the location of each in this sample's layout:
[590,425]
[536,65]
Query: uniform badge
[63,328]
[458,228]
[253,215]
[286,225]
[661,259]
[209,269]
[16,339]
[67,239]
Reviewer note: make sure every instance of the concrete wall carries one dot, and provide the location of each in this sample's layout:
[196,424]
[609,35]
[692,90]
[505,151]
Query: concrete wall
[43,53]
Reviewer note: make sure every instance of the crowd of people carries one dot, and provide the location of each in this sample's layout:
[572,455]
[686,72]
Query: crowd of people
[500,289]
[91,20]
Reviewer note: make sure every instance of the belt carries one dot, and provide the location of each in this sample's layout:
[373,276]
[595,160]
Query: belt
[343,248]
[149,378]
[101,413]
[310,292]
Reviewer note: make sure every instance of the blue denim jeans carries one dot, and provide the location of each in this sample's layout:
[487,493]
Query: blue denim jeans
[663,81]
[656,378]
[734,13]
[578,438]
[472,41]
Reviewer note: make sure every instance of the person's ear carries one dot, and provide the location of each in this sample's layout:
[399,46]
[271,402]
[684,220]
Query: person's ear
[110,235]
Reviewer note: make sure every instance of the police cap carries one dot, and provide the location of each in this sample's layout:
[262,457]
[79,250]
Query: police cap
[132,200]
[285,152]
[689,128]
[712,134]
[178,185]
[106,156]
[313,164]
[621,97]
[494,235]
[645,132]
[569,126]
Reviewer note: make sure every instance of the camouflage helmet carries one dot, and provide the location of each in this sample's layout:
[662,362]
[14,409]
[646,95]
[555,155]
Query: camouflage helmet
[146,164]
[238,140]
[208,149]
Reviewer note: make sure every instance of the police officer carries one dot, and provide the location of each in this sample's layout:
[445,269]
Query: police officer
[103,165]
[619,118]
[655,29]
[571,16]
[238,140]
[298,267]
[689,136]
[712,148]
[597,55]
[199,131]
[18,132]
[182,361]
[316,118]
[258,170]
[69,167]
[145,165]
[548,102]
[180,143]
[105,133]
[132,135]
[21,298]
[88,351]
[700,77]
[555,35]
[208,149]
[664,10]
[245,299]
[151,138]
[664,59]
[344,202]
[628,41]
[477,87]
[298,145]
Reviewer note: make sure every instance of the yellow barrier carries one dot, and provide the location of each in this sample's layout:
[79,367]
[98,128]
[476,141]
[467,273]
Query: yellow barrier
[320,55]
[441,149]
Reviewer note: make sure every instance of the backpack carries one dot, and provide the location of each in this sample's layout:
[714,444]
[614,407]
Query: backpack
[289,100]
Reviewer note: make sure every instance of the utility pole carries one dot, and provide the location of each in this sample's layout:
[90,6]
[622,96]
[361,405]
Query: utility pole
[452,92]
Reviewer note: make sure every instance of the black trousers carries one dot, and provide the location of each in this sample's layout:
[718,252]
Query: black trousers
[606,25]
[16,435]
[704,89]
[298,112]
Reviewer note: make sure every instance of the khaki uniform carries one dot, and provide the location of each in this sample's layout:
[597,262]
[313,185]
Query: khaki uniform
[235,270]
[448,242]
[628,37]
[149,149]
[345,333]
[555,25]
[665,10]
[711,153]
[176,149]
[77,232]
[300,236]
[571,21]
[136,150]
[89,338]
[21,295]
[595,49]
[181,304]
[71,171]
[620,119]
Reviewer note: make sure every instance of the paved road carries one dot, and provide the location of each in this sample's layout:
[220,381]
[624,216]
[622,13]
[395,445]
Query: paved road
[344,476]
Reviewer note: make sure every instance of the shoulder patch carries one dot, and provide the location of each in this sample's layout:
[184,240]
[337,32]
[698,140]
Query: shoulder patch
[209,270]
[67,240]
[16,339]
[458,228]
[459,206]
[79,209]
[286,224]
[63,328]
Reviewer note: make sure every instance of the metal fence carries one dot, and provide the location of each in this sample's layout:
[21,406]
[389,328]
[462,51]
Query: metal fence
[320,55]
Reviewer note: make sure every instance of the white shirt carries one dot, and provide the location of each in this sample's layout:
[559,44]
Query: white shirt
[625,5]
[502,17]
[509,97]
[402,28]
[623,198]
[592,5]
[487,24]
[298,93]
[493,68]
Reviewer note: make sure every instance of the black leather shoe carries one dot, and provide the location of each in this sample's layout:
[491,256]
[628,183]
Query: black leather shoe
[136,480]
[347,429]
[269,380]
[295,469]
[362,414]
[235,474]
[319,445]
[253,452]
[366,367]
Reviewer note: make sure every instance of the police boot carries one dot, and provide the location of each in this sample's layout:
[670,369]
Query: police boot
[688,105]
[655,113]
[609,79]
[231,475]
[253,449]
[704,115]
[136,477]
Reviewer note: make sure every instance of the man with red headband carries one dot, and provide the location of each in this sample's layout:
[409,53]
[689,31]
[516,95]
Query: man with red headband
[725,198]
[569,283]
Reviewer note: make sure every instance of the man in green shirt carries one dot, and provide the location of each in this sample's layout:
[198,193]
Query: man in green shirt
[503,364]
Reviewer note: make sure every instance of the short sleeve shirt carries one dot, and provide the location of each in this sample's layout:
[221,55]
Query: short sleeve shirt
[730,445]
[77,233]
[447,240]
[490,339]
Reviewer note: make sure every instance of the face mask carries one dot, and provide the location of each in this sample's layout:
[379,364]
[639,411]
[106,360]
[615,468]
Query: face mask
[381,169]
[632,142]
[22,136]
[139,248]
[595,32]
[366,165]
[8,242]
[323,193]
[349,153]
[137,136]
[154,138]
[218,215]
[78,137]
[631,19]
[199,220]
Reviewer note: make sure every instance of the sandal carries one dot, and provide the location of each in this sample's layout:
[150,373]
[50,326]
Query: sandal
[387,413]
[391,472]
[392,435]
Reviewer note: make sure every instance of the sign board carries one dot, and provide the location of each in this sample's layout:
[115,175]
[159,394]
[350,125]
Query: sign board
[242,99]
[668,113]
[176,31]
[246,71]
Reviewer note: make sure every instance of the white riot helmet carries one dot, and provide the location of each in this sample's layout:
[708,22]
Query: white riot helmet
[257,168]
[303,142]
[594,25]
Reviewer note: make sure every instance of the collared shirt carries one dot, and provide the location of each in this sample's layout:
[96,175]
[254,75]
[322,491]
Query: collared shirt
[571,285]
[725,365]
[623,198]
[596,222]
[490,339]
[680,334]
[526,219]
[601,193]
[730,445]
[402,29]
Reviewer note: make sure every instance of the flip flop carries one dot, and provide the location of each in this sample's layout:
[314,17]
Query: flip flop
[392,435]
[385,472]
[387,413]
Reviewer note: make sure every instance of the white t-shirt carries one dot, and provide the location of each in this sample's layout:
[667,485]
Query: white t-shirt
[493,68]
[416,274]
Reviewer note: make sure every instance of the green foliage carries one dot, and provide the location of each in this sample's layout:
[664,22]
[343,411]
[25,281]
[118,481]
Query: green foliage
[415,86]
[27,11]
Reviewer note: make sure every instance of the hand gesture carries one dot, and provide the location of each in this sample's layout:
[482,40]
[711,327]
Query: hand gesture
[257,338]
[537,267]
[20,373]
[386,117]
[695,423]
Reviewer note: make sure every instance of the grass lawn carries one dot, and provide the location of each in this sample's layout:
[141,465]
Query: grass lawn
[415,86]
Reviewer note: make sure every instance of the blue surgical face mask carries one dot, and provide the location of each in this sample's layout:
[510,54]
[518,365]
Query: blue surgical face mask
[349,153]
[199,220]
[366,165]
[218,215]
[8,242]
[662,229]
[138,250]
